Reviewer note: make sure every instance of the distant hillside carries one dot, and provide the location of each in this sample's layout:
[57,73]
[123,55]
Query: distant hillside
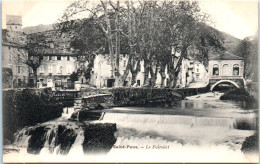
[39,28]
[230,42]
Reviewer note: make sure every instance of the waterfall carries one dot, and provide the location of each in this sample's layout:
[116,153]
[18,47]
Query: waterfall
[76,148]
[22,138]
[214,122]
[67,112]
[69,138]
[167,120]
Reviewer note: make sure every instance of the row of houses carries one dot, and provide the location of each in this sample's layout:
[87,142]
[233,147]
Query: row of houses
[59,61]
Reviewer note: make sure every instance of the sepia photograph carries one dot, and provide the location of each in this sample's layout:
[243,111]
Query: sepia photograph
[130,81]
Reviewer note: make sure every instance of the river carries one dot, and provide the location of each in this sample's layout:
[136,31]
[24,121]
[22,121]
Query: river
[201,128]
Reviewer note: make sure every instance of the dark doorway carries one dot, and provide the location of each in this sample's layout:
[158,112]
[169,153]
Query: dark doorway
[31,82]
[125,83]
[110,82]
[138,82]
[19,82]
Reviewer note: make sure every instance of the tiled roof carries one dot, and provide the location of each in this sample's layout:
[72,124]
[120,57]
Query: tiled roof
[223,56]
[13,20]
[54,52]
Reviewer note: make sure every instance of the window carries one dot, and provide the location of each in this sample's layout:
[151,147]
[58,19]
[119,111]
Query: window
[18,69]
[68,58]
[235,69]
[30,70]
[41,69]
[50,68]
[19,58]
[125,83]
[215,70]
[9,48]
[69,69]
[19,82]
[226,70]
[41,58]
[51,45]
[10,58]
[60,70]
[46,58]
[58,58]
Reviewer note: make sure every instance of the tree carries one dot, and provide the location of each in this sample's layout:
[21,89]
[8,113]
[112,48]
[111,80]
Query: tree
[185,31]
[248,48]
[36,50]
[153,32]
[74,76]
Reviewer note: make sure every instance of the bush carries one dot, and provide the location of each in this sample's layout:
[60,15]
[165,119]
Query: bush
[236,95]
[27,107]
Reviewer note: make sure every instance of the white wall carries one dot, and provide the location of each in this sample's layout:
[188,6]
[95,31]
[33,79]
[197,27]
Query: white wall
[230,63]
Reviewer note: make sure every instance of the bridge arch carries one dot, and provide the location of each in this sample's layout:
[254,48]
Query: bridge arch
[224,81]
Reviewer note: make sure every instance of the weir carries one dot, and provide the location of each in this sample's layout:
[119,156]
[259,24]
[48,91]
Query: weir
[214,123]
[126,119]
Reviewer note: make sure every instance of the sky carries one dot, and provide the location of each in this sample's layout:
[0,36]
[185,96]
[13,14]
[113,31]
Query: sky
[236,17]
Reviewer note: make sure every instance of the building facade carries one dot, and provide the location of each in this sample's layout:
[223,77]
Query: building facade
[55,71]
[224,68]
[226,65]
[14,54]
[56,57]
[101,74]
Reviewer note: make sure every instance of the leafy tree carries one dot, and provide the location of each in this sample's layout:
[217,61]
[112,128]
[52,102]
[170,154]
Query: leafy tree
[74,76]
[248,48]
[36,50]
[153,32]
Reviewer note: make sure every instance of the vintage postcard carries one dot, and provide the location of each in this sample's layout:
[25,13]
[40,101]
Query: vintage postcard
[130,81]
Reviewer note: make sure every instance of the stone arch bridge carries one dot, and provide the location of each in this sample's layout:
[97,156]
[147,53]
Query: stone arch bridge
[237,82]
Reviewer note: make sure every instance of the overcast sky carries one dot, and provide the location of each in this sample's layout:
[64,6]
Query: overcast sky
[236,17]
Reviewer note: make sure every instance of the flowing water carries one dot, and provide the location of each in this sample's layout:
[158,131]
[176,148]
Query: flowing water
[201,128]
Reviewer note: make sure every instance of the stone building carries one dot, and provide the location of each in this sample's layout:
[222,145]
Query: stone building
[225,67]
[14,54]
[55,71]
[101,75]
[58,61]
[200,72]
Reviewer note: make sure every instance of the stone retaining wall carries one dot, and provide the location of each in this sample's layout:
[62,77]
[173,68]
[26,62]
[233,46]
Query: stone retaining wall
[126,96]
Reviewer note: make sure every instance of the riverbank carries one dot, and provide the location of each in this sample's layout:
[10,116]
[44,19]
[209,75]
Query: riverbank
[193,124]
[119,97]
[27,107]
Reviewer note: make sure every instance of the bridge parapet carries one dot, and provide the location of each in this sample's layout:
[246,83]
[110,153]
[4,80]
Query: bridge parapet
[238,82]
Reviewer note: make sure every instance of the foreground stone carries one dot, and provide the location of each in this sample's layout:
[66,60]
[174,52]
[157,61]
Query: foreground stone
[37,140]
[250,145]
[85,115]
[98,138]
